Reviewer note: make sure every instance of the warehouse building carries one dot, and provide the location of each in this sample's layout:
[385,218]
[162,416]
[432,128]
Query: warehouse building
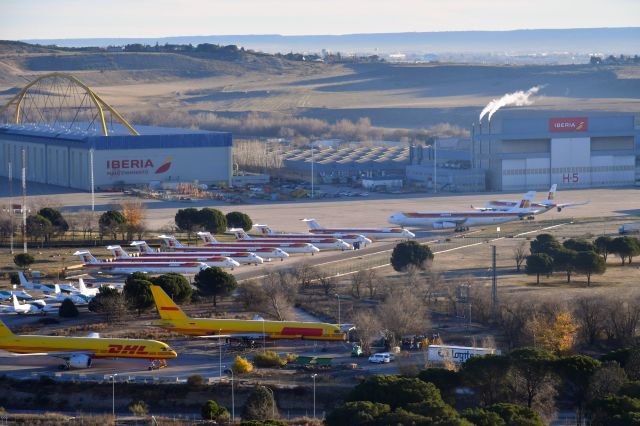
[59,156]
[524,150]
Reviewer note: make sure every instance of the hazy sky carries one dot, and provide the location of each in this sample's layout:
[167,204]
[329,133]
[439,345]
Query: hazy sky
[25,19]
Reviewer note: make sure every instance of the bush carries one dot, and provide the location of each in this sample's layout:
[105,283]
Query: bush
[195,381]
[410,253]
[241,366]
[68,309]
[212,411]
[175,285]
[268,359]
[138,408]
[260,405]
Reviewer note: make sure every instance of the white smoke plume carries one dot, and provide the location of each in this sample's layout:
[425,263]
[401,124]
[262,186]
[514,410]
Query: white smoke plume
[518,98]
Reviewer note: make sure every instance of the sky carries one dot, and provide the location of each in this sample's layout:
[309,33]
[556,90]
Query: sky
[31,19]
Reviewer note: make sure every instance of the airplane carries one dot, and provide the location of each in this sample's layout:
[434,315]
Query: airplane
[213,260]
[7,295]
[463,220]
[327,243]
[77,299]
[33,307]
[242,257]
[83,290]
[254,245]
[267,253]
[544,206]
[129,267]
[349,238]
[378,233]
[174,319]
[45,288]
[78,352]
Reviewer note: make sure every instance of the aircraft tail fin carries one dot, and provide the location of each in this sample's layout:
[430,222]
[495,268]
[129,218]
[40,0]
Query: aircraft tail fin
[264,229]
[86,256]
[81,285]
[525,202]
[551,196]
[170,241]
[14,299]
[4,330]
[23,280]
[118,252]
[57,289]
[167,309]
[312,224]
[207,237]
[142,247]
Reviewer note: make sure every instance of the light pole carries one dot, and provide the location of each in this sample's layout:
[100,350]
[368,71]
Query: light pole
[113,397]
[219,355]
[313,376]
[11,206]
[338,296]
[435,165]
[264,338]
[312,172]
[233,398]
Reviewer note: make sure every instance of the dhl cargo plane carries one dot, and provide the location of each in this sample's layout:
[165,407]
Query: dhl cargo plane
[174,319]
[78,352]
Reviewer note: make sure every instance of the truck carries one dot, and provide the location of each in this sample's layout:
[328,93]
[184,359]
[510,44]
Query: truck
[629,228]
[439,354]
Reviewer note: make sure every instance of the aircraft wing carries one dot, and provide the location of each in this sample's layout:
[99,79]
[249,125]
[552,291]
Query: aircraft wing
[235,336]
[563,205]
[483,209]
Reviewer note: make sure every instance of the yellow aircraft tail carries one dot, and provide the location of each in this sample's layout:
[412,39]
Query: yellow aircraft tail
[166,308]
[4,330]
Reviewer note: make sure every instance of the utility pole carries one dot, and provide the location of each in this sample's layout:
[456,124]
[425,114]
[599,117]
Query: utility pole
[24,200]
[435,165]
[313,177]
[494,285]
[93,194]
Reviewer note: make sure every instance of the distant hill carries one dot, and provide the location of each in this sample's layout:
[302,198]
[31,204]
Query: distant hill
[579,40]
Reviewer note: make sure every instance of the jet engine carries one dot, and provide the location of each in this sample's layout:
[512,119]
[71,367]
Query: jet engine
[79,361]
[444,225]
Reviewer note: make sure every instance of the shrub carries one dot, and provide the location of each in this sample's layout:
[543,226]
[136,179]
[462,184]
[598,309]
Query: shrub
[241,365]
[239,220]
[23,260]
[195,381]
[410,253]
[68,309]
[138,408]
[212,411]
[268,359]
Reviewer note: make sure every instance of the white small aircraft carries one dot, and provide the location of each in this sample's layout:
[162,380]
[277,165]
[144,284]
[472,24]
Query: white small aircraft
[349,238]
[542,206]
[45,288]
[463,220]
[77,298]
[377,233]
[33,307]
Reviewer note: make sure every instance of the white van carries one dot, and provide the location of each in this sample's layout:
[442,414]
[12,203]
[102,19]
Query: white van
[382,358]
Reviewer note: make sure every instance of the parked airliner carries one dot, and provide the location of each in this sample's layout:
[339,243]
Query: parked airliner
[376,233]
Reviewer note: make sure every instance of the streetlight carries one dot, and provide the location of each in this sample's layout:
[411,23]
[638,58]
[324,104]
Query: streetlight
[264,338]
[338,296]
[219,355]
[313,376]
[113,397]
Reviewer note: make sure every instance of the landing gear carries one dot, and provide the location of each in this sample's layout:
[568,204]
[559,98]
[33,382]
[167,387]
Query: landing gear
[157,364]
[461,228]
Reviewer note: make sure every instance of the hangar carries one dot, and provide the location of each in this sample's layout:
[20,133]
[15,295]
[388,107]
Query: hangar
[69,135]
[526,150]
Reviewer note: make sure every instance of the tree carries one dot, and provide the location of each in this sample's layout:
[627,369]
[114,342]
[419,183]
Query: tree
[487,377]
[576,372]
[187,220]
[109,302]
[615,410]
[39,227]
[625,247]
[410,253]
[214,282]
[137,293]
[564,260]
[514,414]
[68,309]
[260,405]
[58,223]
[539,263]
[602,245]
[589,263]
[545,243]
[111,222]
[590,317]
[212,220]
[402,314]
[134,213]
[23,260]
[606,380]
[241,365]
[239,220]
[578,245]
[558,333]
[357,413]
[212,411]
[519,255]
[446,381]
[367,328]
[531,379]
[175,285]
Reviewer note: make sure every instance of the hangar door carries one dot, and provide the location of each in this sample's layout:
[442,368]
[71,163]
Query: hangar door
[525,174]
[571,162]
